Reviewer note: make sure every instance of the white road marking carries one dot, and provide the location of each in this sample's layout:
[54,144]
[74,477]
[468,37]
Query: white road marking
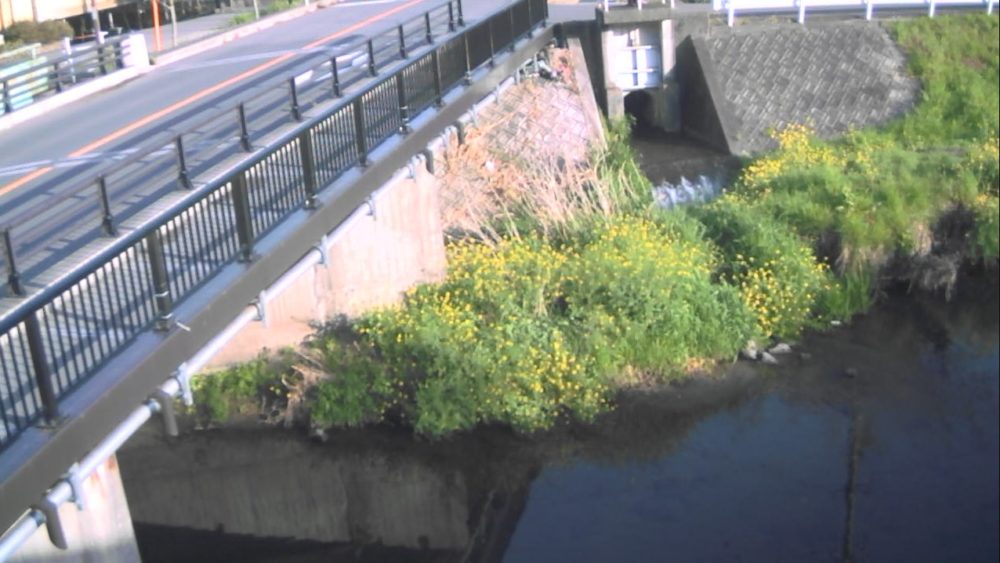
[70,162]
[245,58]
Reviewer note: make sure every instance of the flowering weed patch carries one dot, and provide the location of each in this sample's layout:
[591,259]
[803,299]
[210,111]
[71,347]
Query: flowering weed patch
[525,331]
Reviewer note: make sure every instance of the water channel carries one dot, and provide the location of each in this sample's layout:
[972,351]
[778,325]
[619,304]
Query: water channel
[876,441]
[873,442]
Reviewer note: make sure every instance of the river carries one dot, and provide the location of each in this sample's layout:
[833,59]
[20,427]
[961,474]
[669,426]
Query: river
[872,442]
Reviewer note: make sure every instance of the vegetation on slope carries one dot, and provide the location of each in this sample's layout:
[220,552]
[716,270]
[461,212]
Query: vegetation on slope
[561,301]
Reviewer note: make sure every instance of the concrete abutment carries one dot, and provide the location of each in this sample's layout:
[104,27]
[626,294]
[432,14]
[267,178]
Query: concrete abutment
[99,533]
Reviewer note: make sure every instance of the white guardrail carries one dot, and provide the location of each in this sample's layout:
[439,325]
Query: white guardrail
[869,6]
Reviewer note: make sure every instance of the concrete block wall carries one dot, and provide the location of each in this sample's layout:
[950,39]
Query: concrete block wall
[833,76]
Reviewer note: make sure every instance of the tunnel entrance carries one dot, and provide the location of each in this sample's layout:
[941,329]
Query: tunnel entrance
[639,105]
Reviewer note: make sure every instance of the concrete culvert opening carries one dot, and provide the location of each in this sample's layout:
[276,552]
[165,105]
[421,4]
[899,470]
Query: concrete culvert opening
[639,105]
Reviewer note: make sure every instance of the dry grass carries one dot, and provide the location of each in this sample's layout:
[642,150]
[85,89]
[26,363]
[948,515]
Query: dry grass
[488,195]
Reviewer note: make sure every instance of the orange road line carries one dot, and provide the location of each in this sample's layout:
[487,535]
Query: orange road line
[199,95]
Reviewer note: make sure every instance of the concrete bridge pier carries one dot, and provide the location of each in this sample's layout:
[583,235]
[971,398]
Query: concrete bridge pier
[637,52]
[101,532]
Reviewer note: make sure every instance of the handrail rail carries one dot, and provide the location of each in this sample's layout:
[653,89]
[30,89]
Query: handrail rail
[132,285]
[731,7]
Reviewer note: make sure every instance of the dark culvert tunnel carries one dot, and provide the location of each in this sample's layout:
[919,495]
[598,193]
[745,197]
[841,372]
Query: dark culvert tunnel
[639,106]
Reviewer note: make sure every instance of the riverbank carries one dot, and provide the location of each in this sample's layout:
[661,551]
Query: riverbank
[576,291]
[787,463]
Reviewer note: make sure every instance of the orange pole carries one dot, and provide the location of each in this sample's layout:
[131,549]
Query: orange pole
[156,25]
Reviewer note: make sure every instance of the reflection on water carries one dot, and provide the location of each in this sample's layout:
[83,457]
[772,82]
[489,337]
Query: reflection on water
[801,462]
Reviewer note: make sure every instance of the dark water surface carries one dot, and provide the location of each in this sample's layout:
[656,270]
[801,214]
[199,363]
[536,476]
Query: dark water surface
[799,462]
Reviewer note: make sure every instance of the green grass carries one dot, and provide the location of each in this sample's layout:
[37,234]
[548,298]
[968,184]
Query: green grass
[237,390]
[956,60]
[241,19]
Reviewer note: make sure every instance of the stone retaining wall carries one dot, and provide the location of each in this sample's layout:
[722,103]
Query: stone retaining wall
[832,76]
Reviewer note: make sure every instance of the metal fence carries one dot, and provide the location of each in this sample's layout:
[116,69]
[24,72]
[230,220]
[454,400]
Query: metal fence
[54,340]
[54,75]
[127,183]
[732,7]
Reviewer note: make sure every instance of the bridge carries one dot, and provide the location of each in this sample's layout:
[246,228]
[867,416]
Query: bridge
[120,274]
[185,239]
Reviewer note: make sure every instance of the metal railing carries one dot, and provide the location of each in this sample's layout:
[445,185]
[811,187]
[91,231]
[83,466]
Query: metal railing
[731,7]
[127,183]
[54,340]
[54,75]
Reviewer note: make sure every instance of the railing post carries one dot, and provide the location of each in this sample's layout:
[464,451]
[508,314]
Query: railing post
[467,79]
[531,19]
[360,133]
[513,29]
[100,59]
[8,104]
[55,73]
[336,77]
[294,92]
[241,112]
[493,47]
[404,108]
[308,169]
[451,17]
[182,171]
[13,277]
[40,365]
[119,55]
[438,86]
[427,27]
[107,219]
[161,282]
[244,222]
[461,15]
[402,42]
[372,68]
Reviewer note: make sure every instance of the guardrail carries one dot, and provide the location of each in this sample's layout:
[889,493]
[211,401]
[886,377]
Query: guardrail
[54,340]
[731,7]
[53,75]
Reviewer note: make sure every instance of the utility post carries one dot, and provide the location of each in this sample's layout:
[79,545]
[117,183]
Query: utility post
[173,24]
[97,22]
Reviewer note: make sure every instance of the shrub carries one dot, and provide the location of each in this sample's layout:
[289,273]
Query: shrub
[646,297]
[483,346]
[358,389]
[524,332]
[278,6]
[237,388]
[44,32]
[241,19]
[777,274]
